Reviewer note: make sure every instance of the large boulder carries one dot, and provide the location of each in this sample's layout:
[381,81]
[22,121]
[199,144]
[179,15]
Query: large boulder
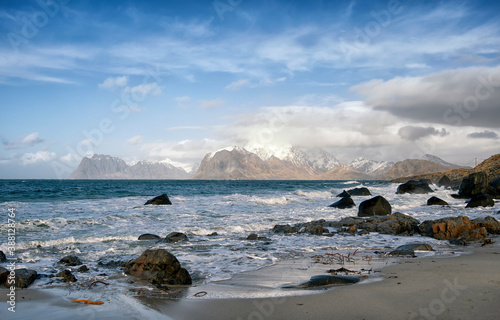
[159,267]
[344,194]
[148,236]
[377,206]
[343,203]
[453,228]
[494,188]
[160,200]
[397,224]
[435,201]
[67,276]
[415,187]
[175,237]
[474,184]
[23,278]
[491,224]
[3,258]
[445,182]
[480,200]
[359,192]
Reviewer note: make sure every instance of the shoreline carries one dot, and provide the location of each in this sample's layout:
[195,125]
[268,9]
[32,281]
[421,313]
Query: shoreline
[466,286]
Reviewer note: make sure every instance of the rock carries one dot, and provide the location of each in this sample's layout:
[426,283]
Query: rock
[428,181]
[83,269]
[344,194]
[377,206]
[4,273]
[343,203]
[71,261]
[474,184]
[491,224]
[67,276]
[494,187]
[24,278]
[359,192]
[253,236]
[414,187]
[149,236]
[415,247]
[3,258]
[159,267]
[445,182]
[480,200]
[213,234]
[175,237]
[398,224]
[435,201]
[402,252]
[316,229]
[452,228]
[280,228]
[160,200]
[324,281]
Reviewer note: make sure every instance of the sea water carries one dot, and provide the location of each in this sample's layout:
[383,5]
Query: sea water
[100,220]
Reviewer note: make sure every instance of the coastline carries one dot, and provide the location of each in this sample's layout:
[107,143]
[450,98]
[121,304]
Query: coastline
[433,287]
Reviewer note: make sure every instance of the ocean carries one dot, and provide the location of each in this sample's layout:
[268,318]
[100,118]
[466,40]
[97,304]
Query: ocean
[100,220]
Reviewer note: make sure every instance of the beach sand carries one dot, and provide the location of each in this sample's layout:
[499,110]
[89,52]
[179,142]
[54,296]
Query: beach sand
[460,287]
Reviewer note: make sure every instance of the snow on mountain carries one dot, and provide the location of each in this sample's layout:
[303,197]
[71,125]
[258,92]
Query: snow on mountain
[372,167]
[441,162]
[322,160]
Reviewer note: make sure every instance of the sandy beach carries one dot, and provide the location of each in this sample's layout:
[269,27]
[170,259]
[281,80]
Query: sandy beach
[460,287]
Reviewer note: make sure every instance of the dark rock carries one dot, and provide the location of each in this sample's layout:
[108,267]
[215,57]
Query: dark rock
[324,281]
[149,236]
[160,200]
[3,258]
[67,276]
[253,236]
[343,203]
[280,228]
[452,228]
[480,200]
[402,252]
[445,182]
[71,261]
[213,234]
[377,206]
[435,201]
[175,237]
[491,224]
[415,247]
[344,194]
[398,224]
[112,264]
[159,267]
[24,278]
[494,187]
[456,196]
[359,192]
[428,181]
[83,269]
[414,187]
[316,229]
[474,184]
[4,273]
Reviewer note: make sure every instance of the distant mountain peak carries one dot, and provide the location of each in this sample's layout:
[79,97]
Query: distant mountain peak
[441,162]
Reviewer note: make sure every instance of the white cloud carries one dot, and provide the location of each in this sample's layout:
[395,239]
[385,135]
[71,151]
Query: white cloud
[143,90]
[212,103]
[32,139]
[70,159]
[111,83]
[135,140]
[237,85]
[183,102]
[44,156]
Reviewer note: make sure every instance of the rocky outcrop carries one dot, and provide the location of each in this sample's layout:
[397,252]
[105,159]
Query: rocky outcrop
[453,228]
[175,237]
[23,278]
[377,206]
[474,184]
[343,203]
[445,182]
[67,276]
[414,187]
[159,200]
[159,267]
[280,228]
[363,191]
[71,261]
[480,200]
[149,236]
[491,224]
[435,201]
[494,188]
[413,167]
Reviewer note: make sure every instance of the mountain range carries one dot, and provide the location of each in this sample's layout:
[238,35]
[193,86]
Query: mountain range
[261,163]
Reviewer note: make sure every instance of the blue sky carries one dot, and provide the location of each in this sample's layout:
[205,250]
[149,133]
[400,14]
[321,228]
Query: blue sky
[386,80]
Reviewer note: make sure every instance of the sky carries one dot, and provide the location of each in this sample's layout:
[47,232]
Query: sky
[176,79]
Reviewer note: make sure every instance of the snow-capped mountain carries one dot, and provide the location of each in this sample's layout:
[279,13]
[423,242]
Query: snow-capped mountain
[108,167]
[441,162]
[371,167]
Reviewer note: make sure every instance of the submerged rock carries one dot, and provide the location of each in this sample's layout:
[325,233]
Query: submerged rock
[480,200]
[284,228]
[159,267]
[149,236]
[160,200]
[175,237]
[71,261]
[253,236]
[414,187]
[363,191]
[377,206]
[67,276]
[343,194]
[321,281]
[343,203]
[435,201]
